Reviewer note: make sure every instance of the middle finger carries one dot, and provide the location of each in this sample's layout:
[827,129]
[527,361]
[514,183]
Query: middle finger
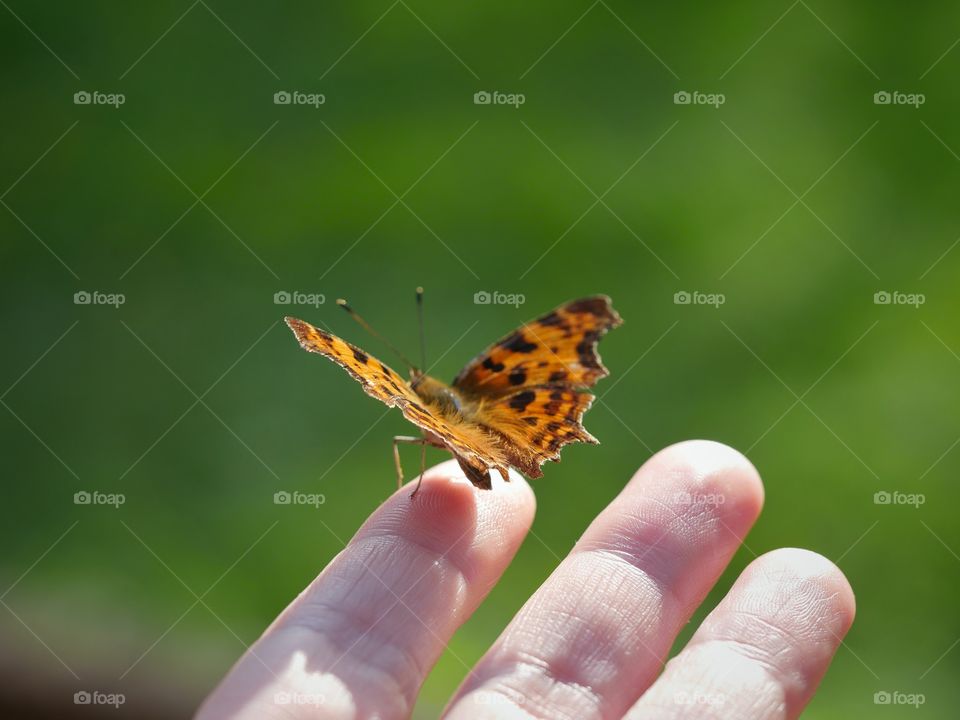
[595,635]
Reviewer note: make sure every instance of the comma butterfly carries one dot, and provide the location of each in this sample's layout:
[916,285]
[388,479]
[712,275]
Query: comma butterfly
[515,404]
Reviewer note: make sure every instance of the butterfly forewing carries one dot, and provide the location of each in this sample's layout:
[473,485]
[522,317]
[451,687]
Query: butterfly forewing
[559,348]
[467,441]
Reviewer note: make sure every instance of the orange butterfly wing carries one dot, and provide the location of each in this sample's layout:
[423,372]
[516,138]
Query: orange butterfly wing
[528,382]
[535,423]
[557,348]
[468,442]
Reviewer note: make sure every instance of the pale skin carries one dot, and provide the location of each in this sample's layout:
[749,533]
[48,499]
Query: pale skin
[590,643]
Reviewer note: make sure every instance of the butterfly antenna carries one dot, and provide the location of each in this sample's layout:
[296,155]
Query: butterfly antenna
[363,323]
[423,338]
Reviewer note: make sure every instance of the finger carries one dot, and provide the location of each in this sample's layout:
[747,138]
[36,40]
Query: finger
[595,635]
[360,639]
[761,653]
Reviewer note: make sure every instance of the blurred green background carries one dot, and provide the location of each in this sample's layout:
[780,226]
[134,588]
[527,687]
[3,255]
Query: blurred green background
[798,198]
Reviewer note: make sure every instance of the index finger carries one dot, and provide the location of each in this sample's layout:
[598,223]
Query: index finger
[361,638]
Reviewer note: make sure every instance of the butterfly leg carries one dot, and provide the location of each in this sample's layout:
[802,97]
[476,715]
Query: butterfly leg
[423,465]
[423,442]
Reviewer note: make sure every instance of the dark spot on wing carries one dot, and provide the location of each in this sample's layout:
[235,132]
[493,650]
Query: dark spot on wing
[518,343]
[517,377]
[520,401]
[530,420]
[592,306]
[552,407]
[558,375]
[586,351]
[492,366]
[360,356]
[551,319]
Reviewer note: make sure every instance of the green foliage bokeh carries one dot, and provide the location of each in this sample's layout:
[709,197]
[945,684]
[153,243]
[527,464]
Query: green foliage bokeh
[797,199]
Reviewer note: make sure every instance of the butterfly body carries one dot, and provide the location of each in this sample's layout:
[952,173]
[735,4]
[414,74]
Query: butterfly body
[437,393]
[515,404]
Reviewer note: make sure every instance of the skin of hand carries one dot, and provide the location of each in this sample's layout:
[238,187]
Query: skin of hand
[590,643]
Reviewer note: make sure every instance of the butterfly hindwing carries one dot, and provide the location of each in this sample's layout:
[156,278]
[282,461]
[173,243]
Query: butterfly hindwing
[535,423]
[559,348]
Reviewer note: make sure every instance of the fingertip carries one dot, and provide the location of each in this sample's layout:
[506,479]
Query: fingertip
[703,458]
[814,574]
[448,478]
[708,470]
[449,509]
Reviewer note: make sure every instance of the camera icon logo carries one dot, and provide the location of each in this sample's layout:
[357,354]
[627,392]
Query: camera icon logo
[282,98]
[281,497]
[882,98]
[482,98]
[82,98]
[281,297]
[881,297]
[82,498]
[81,298]
[482,298]
[882,498]
[82,698]
[681,298]
[681,97]
[882,698]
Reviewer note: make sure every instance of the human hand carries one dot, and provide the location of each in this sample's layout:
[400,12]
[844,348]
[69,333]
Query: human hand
[590,643]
